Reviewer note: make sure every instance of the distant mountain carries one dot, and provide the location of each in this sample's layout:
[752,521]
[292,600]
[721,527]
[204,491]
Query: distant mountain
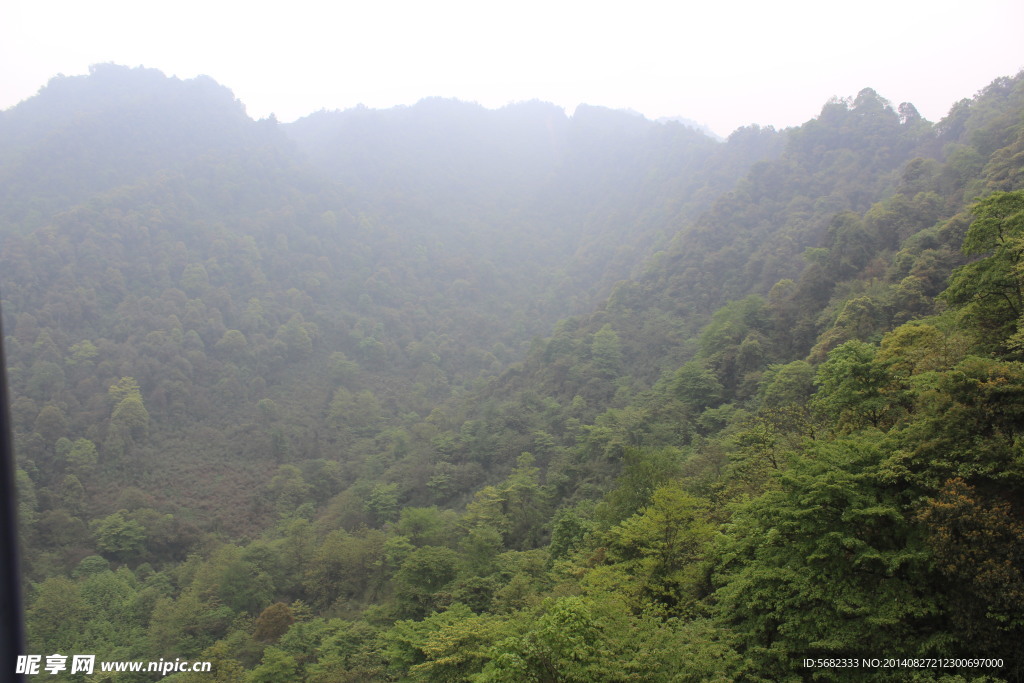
[87,134]
[573,184]
[425,244]
[690,123]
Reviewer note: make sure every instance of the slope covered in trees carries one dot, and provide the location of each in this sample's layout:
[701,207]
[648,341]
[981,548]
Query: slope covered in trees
[306,401]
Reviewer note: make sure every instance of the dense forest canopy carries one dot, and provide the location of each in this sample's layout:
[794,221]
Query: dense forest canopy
[444,393]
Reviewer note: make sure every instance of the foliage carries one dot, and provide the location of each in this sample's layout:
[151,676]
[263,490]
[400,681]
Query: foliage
[276,404]
[991,289]
[830,562]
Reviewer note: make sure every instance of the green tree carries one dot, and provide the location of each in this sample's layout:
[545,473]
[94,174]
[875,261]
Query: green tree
[288,489]
[277,666]
[119,536]
[126,387]
[606,352]
[588,639]
[423,578]
[186,625]
[55,616]
[991,289]
[242,587]
[347,567]
[72,494]
[644,470]
[233,344]
[663,548]
[425,526]
[789,384]
[82,353]
[383,502]
[852,387]
[129,424]
[45,380]
[225,668]
[297,337]
[526,505]
[82,456]
[697,386]
[51,424]
[829,564]
[129,421]
[446,646]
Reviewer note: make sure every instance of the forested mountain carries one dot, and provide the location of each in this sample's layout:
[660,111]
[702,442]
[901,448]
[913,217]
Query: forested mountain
[446,393]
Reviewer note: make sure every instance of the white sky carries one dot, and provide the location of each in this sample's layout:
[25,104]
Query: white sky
[725,64]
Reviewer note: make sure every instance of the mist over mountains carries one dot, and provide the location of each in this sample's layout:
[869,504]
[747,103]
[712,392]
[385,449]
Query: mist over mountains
[433,392]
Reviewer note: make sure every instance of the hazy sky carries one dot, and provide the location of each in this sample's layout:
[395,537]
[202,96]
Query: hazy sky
[726,63]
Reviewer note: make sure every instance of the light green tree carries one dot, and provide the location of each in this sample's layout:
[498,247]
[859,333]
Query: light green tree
[990,290]
[119,536]
[606,352]
[663,548]
[853,387]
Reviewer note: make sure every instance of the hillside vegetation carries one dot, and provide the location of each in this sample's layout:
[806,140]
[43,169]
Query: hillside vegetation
[442,393]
